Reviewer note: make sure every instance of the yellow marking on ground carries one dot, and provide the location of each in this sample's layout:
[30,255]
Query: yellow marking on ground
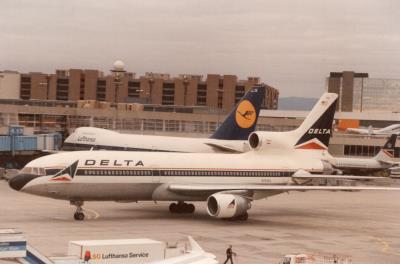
[386,248]
[92,214]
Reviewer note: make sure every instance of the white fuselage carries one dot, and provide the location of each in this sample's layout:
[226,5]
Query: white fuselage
[86,137]
[389,130]
[133,176]
[359,163]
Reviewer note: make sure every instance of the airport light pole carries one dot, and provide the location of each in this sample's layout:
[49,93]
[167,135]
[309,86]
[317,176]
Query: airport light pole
[118,73]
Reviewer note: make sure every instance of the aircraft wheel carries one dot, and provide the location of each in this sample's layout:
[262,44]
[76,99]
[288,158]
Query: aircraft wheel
[191,208]
[185,208]
[173,208]
[79,216]
[181,208]
[243,217]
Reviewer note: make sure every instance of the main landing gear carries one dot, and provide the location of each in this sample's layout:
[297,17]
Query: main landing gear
[181,208]
[78,215]
[242,217]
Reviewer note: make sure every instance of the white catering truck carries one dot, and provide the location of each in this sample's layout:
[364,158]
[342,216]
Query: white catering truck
[118,250]
[136,251]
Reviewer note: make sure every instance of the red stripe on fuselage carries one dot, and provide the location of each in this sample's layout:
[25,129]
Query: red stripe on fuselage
[61,179]
[388,153]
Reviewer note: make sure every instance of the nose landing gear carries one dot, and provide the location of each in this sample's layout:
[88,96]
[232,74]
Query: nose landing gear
[79,214]
[181,208]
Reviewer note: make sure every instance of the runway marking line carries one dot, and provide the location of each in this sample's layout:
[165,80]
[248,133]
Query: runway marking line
[93,213]
[386,248]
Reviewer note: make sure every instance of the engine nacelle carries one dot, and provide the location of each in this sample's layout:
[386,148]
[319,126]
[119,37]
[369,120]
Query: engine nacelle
[256,140]
[262,140]
[223,205]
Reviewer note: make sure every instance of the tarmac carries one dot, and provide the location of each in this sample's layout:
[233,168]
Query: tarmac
[364,225]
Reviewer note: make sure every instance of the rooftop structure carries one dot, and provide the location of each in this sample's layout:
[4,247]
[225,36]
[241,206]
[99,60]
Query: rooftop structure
[214,90]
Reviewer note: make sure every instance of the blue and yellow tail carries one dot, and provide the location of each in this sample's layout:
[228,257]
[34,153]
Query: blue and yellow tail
[242,120]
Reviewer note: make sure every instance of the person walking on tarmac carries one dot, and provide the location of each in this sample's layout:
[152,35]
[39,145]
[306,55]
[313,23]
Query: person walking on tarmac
[229,254]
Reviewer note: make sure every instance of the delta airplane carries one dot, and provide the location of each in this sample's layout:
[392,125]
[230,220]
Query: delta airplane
[229,183]
[276,142]
[362,166]
[313,134]
[231,136]
[389,130]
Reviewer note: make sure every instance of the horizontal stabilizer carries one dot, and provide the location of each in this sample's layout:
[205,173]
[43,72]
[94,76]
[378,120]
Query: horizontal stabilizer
[224,148]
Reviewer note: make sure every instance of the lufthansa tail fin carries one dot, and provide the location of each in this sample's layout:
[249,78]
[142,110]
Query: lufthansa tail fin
[316,130]
[242,120]
[386,153]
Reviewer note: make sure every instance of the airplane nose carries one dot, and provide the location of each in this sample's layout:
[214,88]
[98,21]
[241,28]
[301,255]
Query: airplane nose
[20,180]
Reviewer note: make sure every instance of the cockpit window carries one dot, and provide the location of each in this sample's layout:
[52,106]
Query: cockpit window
[33,171]
[27,170]
[52,171]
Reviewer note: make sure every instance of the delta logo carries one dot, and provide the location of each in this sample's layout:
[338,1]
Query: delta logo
[245,114]
[313,144]
[319,131]
[67,174]
[232,204]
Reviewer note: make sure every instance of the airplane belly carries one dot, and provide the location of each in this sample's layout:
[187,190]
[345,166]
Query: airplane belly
[96,191]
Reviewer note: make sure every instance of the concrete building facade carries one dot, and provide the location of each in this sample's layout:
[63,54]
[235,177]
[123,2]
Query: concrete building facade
[10,82]
[359,93]
[214,91]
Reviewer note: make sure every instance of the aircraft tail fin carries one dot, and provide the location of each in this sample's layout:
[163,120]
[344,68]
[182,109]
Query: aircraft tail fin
[315,131]
[387,151]
[242,120]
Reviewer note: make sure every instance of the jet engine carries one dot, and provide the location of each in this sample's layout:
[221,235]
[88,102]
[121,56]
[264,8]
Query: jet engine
[256,140]
[228,206]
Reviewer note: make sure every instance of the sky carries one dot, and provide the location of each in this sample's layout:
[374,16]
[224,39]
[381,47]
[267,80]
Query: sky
[292,45]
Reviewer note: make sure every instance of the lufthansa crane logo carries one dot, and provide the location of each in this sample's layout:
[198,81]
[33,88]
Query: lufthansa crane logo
[245,114]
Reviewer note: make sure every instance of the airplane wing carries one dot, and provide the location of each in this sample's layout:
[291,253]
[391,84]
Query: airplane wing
[302,174]
[337,177]
[191,189]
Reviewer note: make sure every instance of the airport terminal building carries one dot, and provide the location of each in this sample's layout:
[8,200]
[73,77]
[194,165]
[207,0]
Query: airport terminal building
[52,103]
[360,93]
